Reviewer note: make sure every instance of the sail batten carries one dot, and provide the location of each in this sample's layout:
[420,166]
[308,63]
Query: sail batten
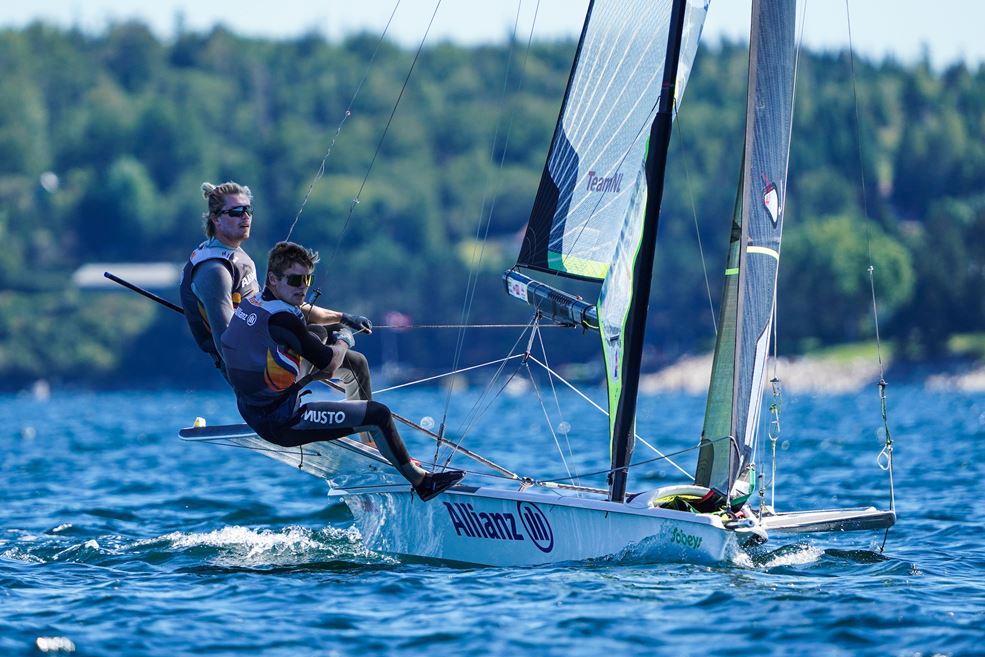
[599,140]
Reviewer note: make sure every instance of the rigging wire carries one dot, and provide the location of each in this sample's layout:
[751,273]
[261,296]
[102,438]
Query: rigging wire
[345,116]
[386,128]
[401,327]
[492,380]
[550,427]
[694,215]
[606,413]
[473,279]
[446,374]
[661,457]
[885,458]
[557,403]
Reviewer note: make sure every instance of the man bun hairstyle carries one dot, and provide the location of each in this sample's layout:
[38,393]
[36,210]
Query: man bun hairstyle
[285,254]
[216,196]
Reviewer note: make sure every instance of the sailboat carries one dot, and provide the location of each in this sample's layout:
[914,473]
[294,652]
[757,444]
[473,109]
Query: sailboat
[595,219]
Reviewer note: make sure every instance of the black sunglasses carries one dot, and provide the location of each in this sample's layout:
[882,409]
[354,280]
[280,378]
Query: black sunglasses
[238,211]
[298,280]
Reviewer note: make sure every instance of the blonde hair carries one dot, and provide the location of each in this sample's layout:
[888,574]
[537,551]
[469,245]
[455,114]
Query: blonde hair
[216,196]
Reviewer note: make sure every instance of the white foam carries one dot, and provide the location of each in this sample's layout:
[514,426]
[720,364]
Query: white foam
[803,554]
[54,644]
[246,546]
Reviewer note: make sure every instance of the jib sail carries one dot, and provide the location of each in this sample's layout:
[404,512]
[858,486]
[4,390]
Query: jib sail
[735,394]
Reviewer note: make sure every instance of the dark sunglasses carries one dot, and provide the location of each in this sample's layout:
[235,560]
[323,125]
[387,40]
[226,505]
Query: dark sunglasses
[238,211]
[298,280]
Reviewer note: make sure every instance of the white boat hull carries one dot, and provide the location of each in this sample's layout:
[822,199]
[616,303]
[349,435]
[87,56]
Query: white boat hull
[496,527]
[501,527]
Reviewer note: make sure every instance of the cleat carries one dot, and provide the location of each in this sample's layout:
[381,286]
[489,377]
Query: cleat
[436,483]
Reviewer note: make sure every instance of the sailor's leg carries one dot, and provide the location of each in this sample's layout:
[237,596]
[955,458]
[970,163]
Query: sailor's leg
[427,485]
[328,420]
[354,375]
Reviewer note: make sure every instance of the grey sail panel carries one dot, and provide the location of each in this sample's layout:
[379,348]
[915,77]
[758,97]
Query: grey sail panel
[769,115]
[599,142]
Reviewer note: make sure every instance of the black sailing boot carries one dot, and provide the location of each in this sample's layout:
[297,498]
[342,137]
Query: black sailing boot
[435,483]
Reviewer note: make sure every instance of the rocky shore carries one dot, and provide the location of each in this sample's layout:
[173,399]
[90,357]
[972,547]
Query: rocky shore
[809,374]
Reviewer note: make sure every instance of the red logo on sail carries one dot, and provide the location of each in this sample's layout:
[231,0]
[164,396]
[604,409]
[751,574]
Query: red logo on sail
[771,199]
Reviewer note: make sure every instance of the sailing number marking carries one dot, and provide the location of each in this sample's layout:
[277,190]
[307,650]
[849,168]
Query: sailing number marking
[687,540]
[502,526]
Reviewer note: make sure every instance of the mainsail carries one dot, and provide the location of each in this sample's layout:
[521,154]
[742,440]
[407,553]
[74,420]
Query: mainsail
[749,297]
[596,155]
[596,211]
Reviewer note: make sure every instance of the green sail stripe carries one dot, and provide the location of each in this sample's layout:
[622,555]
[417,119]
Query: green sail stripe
[575,265]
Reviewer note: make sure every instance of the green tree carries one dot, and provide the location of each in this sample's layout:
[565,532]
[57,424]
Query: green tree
[824,293]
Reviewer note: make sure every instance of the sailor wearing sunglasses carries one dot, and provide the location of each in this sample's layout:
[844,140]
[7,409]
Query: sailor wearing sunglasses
[264,348]
[219,275]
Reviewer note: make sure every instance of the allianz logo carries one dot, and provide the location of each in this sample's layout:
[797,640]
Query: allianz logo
[324,417]
[250,319]
[529,522]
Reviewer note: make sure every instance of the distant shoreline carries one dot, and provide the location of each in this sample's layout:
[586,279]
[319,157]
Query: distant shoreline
[827,375]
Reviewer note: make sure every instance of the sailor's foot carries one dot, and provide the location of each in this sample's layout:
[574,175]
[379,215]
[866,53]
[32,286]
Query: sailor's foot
[435,483]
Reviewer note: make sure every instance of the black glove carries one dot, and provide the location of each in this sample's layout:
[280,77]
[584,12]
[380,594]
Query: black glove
[345,335]
[357,322]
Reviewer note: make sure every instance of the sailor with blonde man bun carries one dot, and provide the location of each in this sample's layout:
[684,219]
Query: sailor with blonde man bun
[263,349]
[219,274]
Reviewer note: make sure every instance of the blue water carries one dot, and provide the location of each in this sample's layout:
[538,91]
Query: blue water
[120,538]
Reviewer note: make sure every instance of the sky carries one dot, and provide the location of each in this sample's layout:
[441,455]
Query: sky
[949,30]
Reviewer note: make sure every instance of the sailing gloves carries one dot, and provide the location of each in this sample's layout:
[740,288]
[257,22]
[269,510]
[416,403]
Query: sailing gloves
[345,335]
[357,322]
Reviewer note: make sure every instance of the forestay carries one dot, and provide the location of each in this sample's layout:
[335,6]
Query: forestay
[749,298]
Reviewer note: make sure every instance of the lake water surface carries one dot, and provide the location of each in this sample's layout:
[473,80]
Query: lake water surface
[118,538]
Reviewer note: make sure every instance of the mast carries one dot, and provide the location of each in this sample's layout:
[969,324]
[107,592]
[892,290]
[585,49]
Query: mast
[624,431]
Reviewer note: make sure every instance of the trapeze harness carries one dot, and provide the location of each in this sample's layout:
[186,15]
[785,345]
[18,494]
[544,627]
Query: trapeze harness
[243,271]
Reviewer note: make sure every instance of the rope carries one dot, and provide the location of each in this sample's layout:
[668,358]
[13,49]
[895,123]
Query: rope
[441,376]
[399,327]
[662,457]
[557,402]
[694,216]
[379,144]
[473,280]
[547,417]
[479,400]
[885,457]
[606,413]
[338,131]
